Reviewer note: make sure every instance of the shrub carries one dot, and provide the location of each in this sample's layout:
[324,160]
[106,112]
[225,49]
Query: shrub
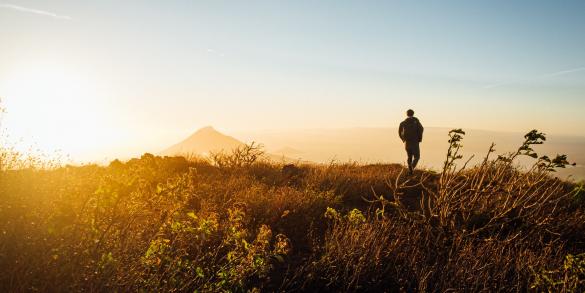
[241,223]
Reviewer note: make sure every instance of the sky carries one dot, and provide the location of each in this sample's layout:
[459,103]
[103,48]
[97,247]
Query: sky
[105,78]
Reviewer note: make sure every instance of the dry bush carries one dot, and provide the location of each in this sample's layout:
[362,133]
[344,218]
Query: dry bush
[483,228]
[237,222]
[242,156]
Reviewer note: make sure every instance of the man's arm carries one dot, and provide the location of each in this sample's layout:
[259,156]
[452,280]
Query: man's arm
[420,131]
[401,131]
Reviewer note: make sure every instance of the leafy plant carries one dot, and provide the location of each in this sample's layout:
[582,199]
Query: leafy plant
[236,223]
[568,278]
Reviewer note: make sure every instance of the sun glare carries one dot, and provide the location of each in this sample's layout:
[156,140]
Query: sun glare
[53,109]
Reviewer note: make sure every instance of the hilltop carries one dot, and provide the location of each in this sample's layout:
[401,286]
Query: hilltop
[242,224]
[379,145]
[203,142]
[207,141]
[372,145]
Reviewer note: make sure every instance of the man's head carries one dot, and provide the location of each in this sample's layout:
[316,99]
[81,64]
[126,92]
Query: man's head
[410,113]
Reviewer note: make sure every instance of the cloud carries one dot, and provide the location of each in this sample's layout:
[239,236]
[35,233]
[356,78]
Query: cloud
[558,73]
[564,72]
[213,51]
[491,86]
[34,11]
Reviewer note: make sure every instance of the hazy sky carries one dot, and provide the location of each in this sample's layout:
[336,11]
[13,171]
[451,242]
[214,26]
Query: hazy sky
[102,78]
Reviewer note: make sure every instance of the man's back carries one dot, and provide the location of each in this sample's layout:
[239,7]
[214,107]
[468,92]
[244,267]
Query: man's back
[411,130]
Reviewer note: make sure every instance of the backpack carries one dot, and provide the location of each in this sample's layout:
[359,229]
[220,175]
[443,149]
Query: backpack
[411,130]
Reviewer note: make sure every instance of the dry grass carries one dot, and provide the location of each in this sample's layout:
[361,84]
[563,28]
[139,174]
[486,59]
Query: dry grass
[237,223]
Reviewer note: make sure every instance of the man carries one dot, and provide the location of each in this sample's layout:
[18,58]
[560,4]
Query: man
[411,131]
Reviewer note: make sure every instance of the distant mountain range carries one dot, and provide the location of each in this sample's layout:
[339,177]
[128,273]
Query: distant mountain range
[382,145]
[203,142]
[207,140]
[375,145]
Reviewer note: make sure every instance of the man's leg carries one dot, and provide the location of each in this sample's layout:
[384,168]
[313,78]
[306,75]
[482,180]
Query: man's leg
[416,153]
[409,155]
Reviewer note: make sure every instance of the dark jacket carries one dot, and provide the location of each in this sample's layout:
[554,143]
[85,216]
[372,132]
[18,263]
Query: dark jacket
[410,130]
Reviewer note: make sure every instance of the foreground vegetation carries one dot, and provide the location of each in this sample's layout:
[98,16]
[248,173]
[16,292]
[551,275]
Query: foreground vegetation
[237,223]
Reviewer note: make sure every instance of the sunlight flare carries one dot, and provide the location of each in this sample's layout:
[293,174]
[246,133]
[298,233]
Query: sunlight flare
[54,108]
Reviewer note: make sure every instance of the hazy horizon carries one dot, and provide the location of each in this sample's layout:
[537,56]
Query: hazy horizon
[127,163]
[277,139]
[110,79]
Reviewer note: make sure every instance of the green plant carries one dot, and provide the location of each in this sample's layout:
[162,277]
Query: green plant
[568,278]
[171,224]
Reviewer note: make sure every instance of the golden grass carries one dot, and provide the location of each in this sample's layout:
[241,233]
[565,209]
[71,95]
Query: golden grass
[239,223]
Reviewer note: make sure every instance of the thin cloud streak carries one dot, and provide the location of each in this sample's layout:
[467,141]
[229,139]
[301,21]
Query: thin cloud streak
[564,72]
[34,11]
[491,86]
[213,51]
[558,73]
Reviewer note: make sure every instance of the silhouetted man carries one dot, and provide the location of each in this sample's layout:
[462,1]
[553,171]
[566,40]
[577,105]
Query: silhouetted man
[411,131]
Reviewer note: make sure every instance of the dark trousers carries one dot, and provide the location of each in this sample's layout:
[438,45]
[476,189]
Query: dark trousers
[413,153]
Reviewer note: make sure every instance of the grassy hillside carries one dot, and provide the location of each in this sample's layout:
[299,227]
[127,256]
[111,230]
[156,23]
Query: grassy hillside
[375,145]
[236,223]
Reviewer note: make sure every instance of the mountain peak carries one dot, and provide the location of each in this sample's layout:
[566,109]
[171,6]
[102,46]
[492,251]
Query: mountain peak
[204,141]
[207,129]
